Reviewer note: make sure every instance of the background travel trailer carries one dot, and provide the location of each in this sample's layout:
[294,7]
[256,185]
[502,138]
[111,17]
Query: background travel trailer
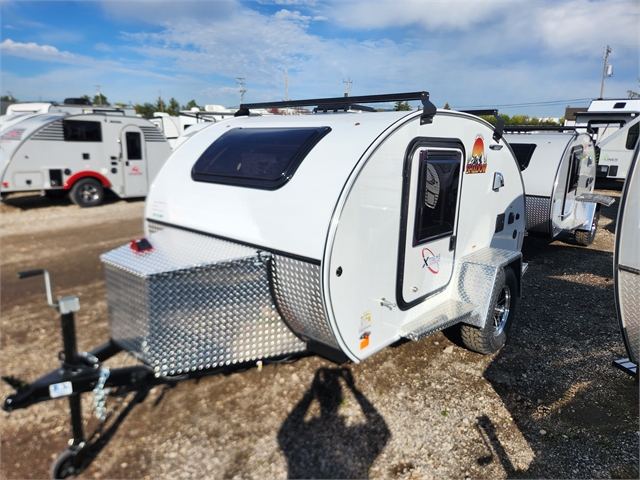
[614,124]
[626,266]
[81,155]
[559,171]
[173,126]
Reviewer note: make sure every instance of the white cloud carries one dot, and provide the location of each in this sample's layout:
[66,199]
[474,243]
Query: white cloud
[288,15]
[34,51]
[432,15]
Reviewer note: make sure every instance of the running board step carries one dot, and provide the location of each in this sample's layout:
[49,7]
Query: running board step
[626,366]
[443,316]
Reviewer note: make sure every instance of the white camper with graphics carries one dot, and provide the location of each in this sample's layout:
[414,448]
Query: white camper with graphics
[82,155]
[337,233]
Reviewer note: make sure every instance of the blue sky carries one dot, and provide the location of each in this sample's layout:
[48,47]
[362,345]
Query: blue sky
[467,53]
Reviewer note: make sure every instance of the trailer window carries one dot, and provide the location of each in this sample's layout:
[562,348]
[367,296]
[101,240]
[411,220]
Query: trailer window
[82,131]
[437,194]
[256,157]
[574,169]
[523,153]
[134,146]
[632,136]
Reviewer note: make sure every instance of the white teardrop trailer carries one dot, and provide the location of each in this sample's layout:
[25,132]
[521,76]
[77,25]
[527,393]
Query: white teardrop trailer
[559,172]
[81,155]
[626,267]
[337,233]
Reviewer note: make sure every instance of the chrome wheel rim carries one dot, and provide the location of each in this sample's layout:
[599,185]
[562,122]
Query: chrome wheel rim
[89,193]
[501,310]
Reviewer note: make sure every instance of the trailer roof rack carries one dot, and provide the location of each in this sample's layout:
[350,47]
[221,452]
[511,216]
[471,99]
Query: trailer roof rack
[499,130]
[540,128]
[592,113]
[341,103]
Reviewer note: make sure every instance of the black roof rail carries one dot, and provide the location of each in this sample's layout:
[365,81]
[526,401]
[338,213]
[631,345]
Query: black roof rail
[346,107]
[428,110]
[499,130]
[540,128]
[104,111]
[621,113]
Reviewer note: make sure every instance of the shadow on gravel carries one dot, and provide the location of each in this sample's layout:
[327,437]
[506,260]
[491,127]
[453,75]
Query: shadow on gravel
[37,201]
[328,445]
[555,376]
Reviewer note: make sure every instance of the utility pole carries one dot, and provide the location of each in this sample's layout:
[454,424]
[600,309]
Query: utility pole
[241,89]
[286,82]
[99,96]
[606,71]
[348,81]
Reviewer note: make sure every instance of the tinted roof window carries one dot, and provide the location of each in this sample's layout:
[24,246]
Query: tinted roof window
[523,152]
[81,131]
[256,157]
[620,105]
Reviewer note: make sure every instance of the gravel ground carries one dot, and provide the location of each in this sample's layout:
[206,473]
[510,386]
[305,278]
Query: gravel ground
[548,405]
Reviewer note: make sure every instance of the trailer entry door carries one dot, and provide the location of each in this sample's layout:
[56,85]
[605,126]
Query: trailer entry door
[135,165]
[430,212]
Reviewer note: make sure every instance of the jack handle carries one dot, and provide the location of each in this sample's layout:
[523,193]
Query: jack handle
[47,283]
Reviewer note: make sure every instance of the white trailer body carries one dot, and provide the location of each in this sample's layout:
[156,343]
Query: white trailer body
[559,175]
[340,233]
[626,265]
[614,126]
[82,154]
[616,151]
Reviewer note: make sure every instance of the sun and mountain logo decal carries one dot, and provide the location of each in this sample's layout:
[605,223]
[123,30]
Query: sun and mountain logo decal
[477,162]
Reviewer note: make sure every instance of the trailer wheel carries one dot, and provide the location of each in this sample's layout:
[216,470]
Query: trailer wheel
[586,237]
[64,465]
[492,337]
[87,192]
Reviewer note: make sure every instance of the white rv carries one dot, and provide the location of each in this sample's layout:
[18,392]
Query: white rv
[626,266]
[82,154]
[614,125]
[173,127]
[559,172]
[338,232]
[616,151]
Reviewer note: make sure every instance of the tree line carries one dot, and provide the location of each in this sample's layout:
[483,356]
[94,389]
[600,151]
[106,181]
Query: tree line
[518,120]
[146,109]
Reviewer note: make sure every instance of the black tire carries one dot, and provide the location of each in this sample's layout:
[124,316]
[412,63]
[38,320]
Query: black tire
[493,336]
[64,465]
[87,192]
[586,237]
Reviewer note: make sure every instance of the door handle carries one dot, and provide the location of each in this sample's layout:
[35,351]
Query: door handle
[127,163]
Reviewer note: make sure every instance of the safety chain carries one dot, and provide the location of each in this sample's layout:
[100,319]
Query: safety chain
[100,396]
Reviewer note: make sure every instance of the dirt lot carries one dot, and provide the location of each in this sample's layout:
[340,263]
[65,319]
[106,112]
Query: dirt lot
[549,405]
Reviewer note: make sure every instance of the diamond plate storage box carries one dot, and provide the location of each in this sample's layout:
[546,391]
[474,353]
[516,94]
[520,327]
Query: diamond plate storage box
[193,302]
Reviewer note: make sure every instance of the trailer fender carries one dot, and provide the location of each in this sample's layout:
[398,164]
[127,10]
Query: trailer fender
[476,280]
[77,176]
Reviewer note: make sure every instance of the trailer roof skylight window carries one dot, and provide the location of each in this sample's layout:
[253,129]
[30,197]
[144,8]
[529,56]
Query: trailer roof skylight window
[263,158]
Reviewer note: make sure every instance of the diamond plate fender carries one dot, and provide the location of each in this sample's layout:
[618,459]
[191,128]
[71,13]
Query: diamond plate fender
[475,279]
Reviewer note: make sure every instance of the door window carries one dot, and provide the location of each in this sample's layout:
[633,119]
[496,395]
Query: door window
[134,146]
[437,195]
[632,136]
